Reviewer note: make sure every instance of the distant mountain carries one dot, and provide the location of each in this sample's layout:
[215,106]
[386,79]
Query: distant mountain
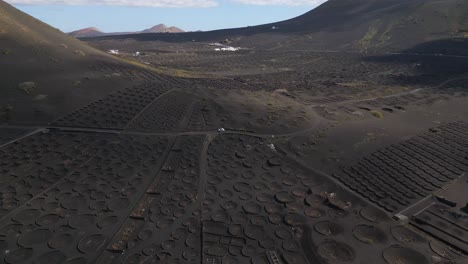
[94,32]
[174,30]
[87,32]
[161,28]
[156,29]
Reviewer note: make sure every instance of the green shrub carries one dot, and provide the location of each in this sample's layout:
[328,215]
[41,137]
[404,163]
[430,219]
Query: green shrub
[377,114]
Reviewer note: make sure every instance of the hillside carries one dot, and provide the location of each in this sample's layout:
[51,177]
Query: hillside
[161,28]
[156,29]
[55,76]
[174,30]
[359,25]
[381,24]
[87,32]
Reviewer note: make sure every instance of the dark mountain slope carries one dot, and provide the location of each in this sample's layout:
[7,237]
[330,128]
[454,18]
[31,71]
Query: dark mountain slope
[383,24]
[55,75]
[363,25]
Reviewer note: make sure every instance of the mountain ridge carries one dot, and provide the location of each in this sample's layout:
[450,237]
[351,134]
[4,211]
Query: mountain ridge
[95,32]
[357,25]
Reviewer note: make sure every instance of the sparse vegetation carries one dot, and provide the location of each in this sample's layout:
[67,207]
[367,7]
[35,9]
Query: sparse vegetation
[5,112]
[40,97]
[367,40]
[79,53]
[6,51]
[377,114]
[377,35]
[27,87]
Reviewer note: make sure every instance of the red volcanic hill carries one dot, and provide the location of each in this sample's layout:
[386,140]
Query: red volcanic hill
[174,30]
[87,32]
[156,29]
[94,32]
[161,28]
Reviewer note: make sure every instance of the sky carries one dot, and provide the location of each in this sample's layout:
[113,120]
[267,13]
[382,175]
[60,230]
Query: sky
[134,15]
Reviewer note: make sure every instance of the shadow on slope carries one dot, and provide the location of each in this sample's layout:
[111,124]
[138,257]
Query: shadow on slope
[431,63]
[453,46]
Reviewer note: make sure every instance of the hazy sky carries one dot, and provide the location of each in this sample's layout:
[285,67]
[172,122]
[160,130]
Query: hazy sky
[190,15]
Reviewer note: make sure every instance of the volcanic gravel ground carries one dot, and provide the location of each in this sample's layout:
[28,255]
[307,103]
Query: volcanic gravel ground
[219,160]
